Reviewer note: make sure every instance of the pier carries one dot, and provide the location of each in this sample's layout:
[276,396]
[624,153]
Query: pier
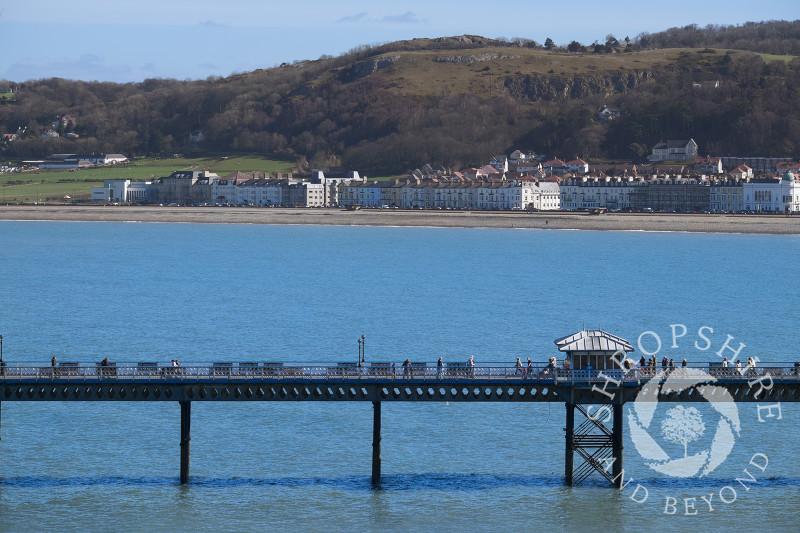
[591,439]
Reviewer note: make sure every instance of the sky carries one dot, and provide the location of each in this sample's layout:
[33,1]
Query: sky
[129,41]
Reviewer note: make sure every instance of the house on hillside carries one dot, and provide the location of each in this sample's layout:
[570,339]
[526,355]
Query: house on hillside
[517,156]
[784,166]
[680,150]
[741,172]
[708,165]
[493,173]
[555,166]
[500,162]
[529,166]
[606,113]
[578,165]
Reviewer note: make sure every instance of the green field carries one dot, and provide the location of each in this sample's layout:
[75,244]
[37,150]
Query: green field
[54,185]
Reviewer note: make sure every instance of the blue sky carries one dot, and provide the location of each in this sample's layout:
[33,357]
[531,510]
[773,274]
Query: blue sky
[125,41]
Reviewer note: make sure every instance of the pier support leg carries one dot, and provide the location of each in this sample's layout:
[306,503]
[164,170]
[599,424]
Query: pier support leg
[569,446]
[376,443]
[186,437]
[616,446]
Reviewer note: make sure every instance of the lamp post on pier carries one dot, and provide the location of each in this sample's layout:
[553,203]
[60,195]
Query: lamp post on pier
[363,348]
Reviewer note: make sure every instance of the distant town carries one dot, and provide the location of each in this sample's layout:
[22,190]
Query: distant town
[675,179]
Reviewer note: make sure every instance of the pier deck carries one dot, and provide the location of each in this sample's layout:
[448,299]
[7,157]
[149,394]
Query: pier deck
[282,381]
[387,382]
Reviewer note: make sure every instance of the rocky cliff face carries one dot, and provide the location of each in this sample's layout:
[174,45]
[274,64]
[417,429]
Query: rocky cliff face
[365,68]
[470,59]
[535,88]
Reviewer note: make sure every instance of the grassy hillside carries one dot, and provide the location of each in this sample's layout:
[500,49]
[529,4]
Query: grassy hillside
[482,72]
[53,185]
[388,109]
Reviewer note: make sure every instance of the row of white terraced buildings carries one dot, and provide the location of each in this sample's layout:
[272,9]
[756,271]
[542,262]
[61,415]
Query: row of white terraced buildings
[530,195]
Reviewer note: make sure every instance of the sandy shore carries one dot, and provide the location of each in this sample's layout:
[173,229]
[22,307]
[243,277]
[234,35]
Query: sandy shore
[771,224]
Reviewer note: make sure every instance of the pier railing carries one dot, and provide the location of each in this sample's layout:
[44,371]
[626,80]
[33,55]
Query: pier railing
[376,372]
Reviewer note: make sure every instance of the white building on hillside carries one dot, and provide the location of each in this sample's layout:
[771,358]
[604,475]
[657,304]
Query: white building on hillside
[682,150]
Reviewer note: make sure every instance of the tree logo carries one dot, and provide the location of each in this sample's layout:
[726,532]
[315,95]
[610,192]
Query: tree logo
[683,425]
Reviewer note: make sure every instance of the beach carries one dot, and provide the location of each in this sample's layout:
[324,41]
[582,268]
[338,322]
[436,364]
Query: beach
[709,223]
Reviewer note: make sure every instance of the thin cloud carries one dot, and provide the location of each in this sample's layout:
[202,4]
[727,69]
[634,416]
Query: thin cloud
[354,18]
[87,67]
[212,24]
[409,17]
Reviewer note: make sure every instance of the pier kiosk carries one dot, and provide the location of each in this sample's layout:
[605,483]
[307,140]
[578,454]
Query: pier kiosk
[594,351]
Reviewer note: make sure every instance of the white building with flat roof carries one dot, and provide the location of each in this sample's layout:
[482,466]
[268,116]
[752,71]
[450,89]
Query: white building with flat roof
[772,195]
[118,191]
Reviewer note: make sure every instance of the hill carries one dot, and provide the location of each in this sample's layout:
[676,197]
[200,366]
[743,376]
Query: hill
[453,100]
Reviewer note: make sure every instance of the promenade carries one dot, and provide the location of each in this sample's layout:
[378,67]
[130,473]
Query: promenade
[708,223]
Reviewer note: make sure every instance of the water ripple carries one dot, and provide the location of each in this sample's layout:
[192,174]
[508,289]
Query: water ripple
[394,482]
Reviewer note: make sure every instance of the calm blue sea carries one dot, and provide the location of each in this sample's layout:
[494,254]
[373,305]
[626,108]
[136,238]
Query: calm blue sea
[155,292]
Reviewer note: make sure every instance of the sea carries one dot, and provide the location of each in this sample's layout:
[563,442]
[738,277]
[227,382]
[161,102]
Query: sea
[82,291]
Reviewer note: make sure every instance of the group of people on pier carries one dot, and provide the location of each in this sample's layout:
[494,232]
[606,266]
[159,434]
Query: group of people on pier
[652,362]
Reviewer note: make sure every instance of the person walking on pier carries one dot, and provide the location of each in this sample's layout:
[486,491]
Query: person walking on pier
[406,368]
[439,368]
[471,365]
[518,367]
[103,371]
[529,370]
[53,361]
[751,366]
